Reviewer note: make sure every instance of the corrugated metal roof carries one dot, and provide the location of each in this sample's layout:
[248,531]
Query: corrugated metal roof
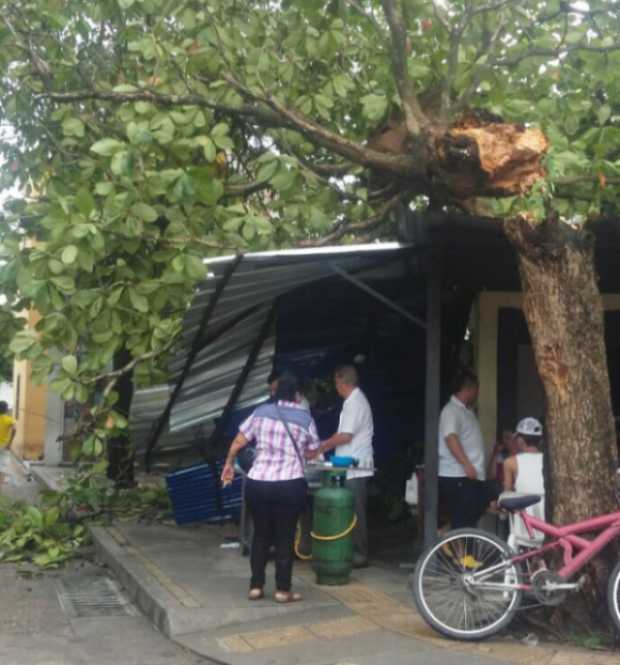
[234,325]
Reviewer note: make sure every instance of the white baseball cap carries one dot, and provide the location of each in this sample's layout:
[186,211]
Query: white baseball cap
[530,427]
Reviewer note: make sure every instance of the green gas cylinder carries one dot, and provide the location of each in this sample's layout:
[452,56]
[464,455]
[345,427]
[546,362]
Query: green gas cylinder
[332,545]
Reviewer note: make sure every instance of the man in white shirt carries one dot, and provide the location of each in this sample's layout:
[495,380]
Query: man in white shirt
[354,439]
[461,455]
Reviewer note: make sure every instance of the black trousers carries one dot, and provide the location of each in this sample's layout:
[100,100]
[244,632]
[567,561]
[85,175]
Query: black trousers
[466,500]
[275,507]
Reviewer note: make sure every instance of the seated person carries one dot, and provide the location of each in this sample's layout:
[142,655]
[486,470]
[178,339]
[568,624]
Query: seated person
[523,473]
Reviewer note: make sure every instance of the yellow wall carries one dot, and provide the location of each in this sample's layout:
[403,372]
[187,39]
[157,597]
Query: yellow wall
[29,408]
[485,324]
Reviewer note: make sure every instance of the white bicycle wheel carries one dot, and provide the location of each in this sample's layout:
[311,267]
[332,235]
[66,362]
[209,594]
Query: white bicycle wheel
[456,604]
[613,595]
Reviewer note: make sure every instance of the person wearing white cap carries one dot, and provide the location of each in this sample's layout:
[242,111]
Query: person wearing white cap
[523,473]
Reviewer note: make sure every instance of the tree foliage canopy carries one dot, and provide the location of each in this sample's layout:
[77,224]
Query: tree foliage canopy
[144,135]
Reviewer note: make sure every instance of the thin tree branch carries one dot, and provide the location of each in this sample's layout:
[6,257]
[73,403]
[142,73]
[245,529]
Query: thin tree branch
[398,164]
[414,116]
[327,170]
[360,10]
[116,374]
[261,116]
[488,51]
[490,7]
[537,52]
[581,179]
[246,188]
[441,16]
[346,226]
[456,33]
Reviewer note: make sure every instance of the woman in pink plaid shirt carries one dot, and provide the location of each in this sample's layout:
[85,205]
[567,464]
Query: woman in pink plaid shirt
[275,487]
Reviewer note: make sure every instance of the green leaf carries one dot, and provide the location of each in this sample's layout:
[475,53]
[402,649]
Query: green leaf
[23,341]
[104,188]
[233,224]
[124,88]
[86,259]
[224,142]
[188,18]
[69,254]
[84,201]
[35,516]
[209,149]
[64,283]
[138,133]
[115,296]
[70,365]
[603,114]
[107,147]
[162,129]
[195,267]
[138,301]
[268,170]
[144,212]
[51,517]
[220,129]
[374,106]
[284,179]
[81,230]
[418,70]
[121,163]
[56,267]
[73,127]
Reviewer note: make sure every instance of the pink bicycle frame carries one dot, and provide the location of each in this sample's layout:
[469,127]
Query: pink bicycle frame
[568,539]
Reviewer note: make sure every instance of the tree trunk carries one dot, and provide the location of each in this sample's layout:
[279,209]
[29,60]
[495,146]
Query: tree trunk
[564,313]
[121,457]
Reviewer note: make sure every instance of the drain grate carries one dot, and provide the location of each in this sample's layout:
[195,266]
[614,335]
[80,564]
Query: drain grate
[93,597]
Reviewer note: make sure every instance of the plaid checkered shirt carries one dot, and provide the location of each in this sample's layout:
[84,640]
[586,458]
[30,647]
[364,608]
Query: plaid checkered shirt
[276,458]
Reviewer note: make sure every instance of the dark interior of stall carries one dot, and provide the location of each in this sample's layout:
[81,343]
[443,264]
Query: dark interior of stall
[334,322]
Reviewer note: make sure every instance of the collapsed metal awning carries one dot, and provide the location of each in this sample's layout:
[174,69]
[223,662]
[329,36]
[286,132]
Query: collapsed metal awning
[228,335]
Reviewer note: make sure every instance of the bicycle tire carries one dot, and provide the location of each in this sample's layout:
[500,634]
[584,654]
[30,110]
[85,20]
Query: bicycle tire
[613,595]
[431,602]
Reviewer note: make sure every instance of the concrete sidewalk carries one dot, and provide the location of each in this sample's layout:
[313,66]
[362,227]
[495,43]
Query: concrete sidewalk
[195,592]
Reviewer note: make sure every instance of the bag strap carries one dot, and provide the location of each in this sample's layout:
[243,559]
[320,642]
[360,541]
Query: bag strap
[290,436]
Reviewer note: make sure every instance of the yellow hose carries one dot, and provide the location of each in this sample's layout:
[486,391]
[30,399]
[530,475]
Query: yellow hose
[346,532]
[298,554]
[307,557]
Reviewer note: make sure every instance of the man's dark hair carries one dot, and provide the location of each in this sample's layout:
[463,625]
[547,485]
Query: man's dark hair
[348,374]
[287,387]
[274,375]
[4,407]
[464,379]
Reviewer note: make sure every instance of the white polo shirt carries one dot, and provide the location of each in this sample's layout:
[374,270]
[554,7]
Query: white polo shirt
[457,419]
[356,419]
